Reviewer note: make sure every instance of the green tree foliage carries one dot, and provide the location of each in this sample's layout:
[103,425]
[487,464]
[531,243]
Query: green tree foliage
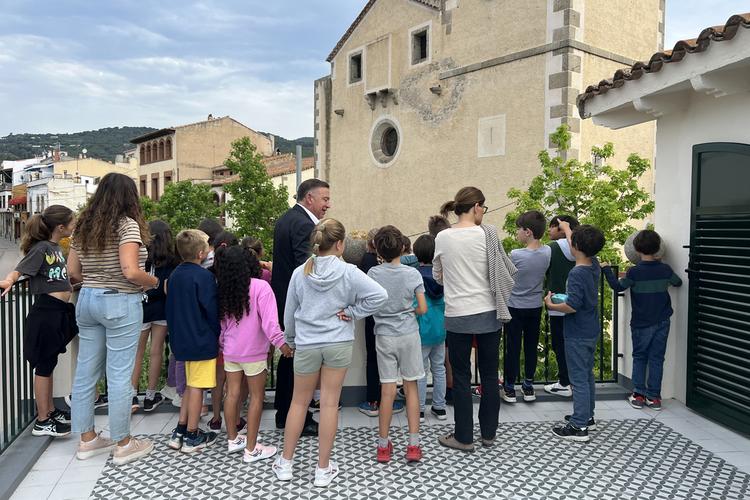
[254,202]
[149,208]
[184,204]
[594,192]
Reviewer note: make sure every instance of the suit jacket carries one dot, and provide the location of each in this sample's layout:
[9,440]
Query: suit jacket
[291,248]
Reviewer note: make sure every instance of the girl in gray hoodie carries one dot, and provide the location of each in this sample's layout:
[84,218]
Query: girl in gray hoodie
[325,296]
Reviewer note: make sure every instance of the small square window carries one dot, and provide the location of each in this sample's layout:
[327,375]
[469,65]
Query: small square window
[355,68]
[419,46]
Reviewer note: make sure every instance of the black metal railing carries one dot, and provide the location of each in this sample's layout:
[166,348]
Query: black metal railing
[17,391]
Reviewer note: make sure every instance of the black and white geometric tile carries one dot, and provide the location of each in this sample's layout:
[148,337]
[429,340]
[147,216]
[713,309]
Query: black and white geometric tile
[626,459]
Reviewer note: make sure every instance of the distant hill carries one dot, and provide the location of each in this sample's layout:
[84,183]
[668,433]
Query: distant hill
[104,143]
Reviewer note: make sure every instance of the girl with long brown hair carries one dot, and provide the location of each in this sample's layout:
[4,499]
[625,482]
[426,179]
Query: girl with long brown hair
[50,324]
[108,253]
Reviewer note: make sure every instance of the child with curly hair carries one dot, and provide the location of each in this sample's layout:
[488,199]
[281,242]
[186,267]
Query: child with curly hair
[249,324]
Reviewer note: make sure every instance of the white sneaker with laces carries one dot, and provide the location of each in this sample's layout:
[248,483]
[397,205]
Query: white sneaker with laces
[559,389]
[236,445]
[261,452]
[283,471]
[323,477]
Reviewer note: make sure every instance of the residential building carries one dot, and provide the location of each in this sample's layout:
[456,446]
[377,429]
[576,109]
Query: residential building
[190,152]
[699,96]
[427,96]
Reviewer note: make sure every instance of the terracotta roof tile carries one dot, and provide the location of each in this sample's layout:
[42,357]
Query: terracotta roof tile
[435,4]
[275,166]
[657,61]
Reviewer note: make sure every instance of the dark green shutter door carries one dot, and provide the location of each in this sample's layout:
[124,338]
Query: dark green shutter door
[719,304]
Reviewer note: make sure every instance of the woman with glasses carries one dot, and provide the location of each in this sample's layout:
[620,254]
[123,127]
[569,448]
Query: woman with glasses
[477,276]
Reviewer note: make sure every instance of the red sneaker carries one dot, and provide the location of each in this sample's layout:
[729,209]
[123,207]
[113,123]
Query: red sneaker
[413,453]
[384,454]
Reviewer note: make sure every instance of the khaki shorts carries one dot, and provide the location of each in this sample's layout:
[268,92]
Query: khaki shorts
[337,355]
[251,369]
[399,354]
[201,374]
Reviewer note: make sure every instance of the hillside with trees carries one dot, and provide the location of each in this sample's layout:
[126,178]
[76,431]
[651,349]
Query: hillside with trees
[104,143]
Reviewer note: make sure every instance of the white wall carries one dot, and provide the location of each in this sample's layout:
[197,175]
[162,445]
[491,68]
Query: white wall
[703,119]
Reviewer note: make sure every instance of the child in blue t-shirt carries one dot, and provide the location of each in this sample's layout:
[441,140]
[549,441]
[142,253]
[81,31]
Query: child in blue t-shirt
[648,282]
[431,331]
[581,328]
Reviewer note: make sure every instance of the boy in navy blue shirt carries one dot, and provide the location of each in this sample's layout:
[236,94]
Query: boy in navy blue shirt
[649,282]
[193,319]
[581,328]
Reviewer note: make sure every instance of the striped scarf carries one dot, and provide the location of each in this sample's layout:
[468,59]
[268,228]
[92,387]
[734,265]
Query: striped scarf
[501,270]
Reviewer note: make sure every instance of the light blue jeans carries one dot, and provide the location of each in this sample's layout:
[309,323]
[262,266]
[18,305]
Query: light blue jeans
[433,356]
[109,326]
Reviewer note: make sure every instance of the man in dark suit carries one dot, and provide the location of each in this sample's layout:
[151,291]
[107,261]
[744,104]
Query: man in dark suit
[291,248]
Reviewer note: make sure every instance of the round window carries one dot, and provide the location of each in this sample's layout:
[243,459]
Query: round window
[385,142]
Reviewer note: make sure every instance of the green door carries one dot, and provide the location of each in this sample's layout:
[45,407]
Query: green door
[718,384]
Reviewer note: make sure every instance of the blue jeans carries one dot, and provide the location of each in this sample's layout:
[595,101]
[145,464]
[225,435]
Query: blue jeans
[579,353]
[649,346]
[109,326]
[433,356]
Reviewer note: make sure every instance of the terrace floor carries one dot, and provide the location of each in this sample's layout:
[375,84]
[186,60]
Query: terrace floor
[674,453]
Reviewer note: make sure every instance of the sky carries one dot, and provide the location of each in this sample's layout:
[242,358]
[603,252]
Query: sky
[73,65]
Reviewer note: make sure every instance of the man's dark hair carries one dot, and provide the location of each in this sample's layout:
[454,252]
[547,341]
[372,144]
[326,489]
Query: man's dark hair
[407,244]
[389,242]
[424,248]
[647,242]
[211,227]
[588,239]
[534,221]
[567,218]
[437,223]
[308,185]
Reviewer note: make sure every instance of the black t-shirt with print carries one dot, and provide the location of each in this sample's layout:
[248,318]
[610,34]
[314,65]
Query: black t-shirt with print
[45,265]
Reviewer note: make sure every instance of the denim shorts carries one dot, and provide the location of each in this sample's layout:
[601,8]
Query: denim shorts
[307,361]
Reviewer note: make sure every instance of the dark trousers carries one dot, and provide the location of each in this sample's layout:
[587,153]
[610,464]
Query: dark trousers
[558,345]
[373,377]
[523,325]
[284,391]
[488,353]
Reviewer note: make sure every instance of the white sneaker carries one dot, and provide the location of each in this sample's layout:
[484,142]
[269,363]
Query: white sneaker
[559,389]
[261,452]
[135,449]
[323,477]
[177,401]
[283,471]
[169,392]
[238,444]
[97,446]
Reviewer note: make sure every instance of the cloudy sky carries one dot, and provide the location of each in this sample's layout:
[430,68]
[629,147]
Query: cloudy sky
[71,65]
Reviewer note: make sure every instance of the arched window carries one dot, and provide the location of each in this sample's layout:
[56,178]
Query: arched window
[143,154]
[148,153]
[160,156]
[168,148]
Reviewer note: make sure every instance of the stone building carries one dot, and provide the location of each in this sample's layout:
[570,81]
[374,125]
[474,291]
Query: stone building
[190,152]
[427,96]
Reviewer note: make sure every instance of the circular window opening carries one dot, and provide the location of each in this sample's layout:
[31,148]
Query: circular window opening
[385,142]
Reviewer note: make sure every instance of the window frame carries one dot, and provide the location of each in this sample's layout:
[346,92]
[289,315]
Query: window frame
[416,30]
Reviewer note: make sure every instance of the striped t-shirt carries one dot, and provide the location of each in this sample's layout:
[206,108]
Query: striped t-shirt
[101,269]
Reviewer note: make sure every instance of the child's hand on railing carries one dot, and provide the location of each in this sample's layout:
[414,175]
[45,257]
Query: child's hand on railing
[6,285]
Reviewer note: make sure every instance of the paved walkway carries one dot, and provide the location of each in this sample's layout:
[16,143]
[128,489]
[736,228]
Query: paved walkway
[634,454]
[10,254]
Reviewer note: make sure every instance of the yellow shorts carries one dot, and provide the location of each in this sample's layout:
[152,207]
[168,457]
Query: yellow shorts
[201,374]
[251,369]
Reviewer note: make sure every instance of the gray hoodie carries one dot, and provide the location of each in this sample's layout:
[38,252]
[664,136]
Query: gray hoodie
[313,301]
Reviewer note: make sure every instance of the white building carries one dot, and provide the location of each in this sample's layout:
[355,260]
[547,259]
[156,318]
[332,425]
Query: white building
[70,192]
[699,96]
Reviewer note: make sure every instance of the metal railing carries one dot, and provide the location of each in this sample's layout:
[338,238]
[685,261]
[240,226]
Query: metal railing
[17,391]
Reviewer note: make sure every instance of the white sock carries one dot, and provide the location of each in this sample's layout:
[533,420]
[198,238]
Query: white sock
[150,394]
[284,461]
[316,395]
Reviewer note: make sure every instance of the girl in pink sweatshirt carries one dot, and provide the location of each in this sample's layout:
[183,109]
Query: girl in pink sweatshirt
[249,325]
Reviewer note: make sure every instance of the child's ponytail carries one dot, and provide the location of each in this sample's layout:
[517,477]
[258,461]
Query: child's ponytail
[324,236]
[40,226]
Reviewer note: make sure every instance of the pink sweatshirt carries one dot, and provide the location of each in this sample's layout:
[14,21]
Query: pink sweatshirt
[249,340]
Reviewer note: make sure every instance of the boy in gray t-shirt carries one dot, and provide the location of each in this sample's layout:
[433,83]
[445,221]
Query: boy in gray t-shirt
[525,304]
[397,341]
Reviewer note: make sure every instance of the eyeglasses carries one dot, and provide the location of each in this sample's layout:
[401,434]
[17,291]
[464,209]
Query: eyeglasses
[484,208]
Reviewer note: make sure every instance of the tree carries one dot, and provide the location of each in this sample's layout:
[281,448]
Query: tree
[253,202]
[594,192]
[149,208]
[184,204]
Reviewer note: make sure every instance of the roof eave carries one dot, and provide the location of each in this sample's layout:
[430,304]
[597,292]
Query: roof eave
[152,135]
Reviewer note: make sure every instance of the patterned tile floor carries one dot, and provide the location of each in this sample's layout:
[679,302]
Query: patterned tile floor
[634,454]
